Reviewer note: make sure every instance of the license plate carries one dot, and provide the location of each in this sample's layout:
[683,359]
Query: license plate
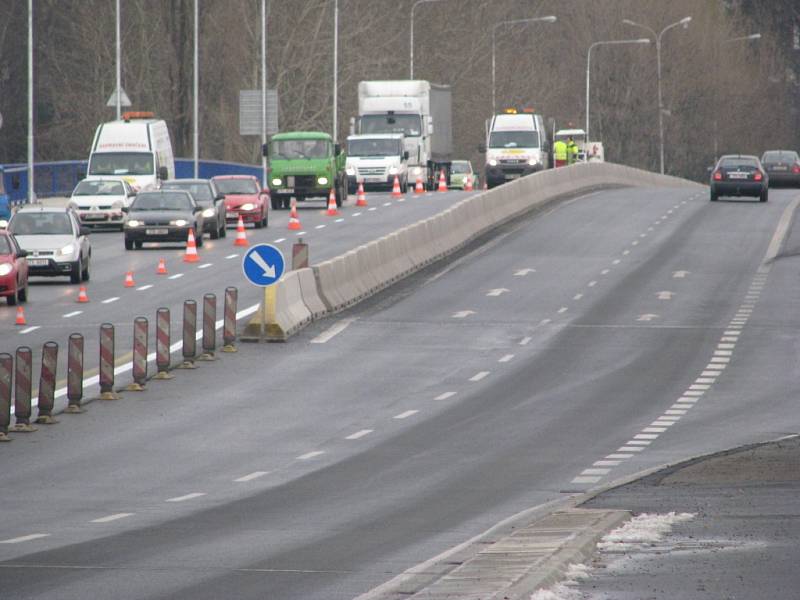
[513,176]
[780,168]
[737,175]
[290,181]
[38,262]
[93,216]
[156,231]
[286,190]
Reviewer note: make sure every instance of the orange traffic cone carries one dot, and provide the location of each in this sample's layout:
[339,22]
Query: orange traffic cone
[20,317]
[442,182]
[361,197]
[191,249]
[241,237]
[294,220]
[332,210]
[396,188]
[162,267]
[419,188]
[82,296]
[129,279]
[468,183]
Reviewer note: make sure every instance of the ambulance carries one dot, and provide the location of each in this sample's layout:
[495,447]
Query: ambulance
[516,145]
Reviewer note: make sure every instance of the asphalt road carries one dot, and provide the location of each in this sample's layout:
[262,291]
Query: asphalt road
[564,353]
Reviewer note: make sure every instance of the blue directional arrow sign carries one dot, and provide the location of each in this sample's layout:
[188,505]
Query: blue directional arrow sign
[263,265]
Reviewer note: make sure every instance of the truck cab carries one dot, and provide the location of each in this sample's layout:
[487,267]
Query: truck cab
[305,165]
[375,160]
[516,145]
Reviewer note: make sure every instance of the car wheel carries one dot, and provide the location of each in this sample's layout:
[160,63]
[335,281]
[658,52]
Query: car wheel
[764,196]
[223,229]
[22,293]
[77,270]
[128,244]
[714,196]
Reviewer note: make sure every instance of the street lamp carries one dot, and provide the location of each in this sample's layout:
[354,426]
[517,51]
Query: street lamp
[411,42]
[685,22]
[550,19]
[335,66]
[588,64]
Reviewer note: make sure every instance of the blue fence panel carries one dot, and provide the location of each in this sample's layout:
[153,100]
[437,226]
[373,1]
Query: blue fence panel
[60,178]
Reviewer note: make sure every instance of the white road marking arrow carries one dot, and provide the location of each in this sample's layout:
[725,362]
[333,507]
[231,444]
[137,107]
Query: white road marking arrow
[497,292]
[269,270]
[647,317]
[523,272]
[680,274]
[665,295]
[463,313]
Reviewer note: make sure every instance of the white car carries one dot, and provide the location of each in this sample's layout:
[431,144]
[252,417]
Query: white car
[101,201]
[56,242]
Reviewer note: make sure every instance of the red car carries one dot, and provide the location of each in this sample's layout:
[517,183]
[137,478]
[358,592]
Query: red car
[13,270]
[243,197]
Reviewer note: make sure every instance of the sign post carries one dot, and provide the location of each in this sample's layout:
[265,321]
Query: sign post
[263,265]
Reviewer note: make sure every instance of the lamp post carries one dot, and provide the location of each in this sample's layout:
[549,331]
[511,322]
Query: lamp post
[119,65]
[411,41]
[195,91]
[263,91]
[31,192]
[335,66]
[743,38]
[588,65]
[549,19]
[685,22]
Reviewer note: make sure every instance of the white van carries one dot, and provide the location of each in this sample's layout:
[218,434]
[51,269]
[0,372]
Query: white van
[375,160]
[136,148]
[516,145]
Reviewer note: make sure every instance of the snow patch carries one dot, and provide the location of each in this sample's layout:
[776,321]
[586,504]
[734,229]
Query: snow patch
[563,591]
[644,529]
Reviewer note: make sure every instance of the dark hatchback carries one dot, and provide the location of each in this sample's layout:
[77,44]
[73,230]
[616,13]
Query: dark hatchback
[163,216]
[739,175]
[782,167]
[210,199]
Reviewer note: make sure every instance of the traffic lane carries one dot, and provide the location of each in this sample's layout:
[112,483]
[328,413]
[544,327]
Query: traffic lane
[570,352]
[58,315]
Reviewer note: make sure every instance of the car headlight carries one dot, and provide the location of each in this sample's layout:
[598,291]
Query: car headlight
[393,170]
[276,182]
[3,224]
[247,206]
[66,250]
[492,162]
[5,269]
[133,223]
[533,162]
[322,180]
[179,222]
[351,171]
[208,213]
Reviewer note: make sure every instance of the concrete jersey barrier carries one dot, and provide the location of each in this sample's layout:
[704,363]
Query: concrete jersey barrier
[343,281]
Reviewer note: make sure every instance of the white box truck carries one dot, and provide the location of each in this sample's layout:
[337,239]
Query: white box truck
[418,109]
[137,148]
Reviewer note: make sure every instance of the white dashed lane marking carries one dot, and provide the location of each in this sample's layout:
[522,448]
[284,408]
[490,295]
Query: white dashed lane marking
[506,358]
[279,240]
[205,266]
[25,538]
[29,329]
[525,341]
[359,434]
[309,455]
[110,518]
[186,497]
[176,276]
[406,414]
[110,300]
[445,396]
[479,376]
[74,313]
[230,256]
[251,476]
[143,288]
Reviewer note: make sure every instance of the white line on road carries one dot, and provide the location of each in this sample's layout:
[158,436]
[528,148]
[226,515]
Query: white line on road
[372,208]
[230,256]
[176,276]
[339,221]
[605,271]
[251,476]
[25,538]
[616,261]
[544,321]
[205,265]
[191,496]
[109,518]
[595,471]
[577,296]
[279,240]
[586,479]
[359,434]
[311,454]
[299,233]
[74,313]
[463,314]
[639,442]
[525,341]
[562,310]
[110,300]
[357,214]
[479,376]
[142,288]
[320,227]
[387,203]
[606,463]
[29,329]
[506,358]
[333,331]
[405,415]
[592,284]
[619,456]
[445,396]
[635,243]
[674,411]
[626,252]
[630,449]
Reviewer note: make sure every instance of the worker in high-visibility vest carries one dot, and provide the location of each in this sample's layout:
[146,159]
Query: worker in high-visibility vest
[560,153]
[572,151]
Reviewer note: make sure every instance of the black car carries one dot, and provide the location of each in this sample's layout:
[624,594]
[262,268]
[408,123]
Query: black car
[739,175]
[782,167]
[210,199]
[163,216]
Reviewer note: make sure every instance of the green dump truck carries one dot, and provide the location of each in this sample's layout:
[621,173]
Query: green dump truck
[305,165]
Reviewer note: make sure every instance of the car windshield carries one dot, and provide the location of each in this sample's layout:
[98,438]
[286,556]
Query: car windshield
[373,148]
[738,163]
[5,245]
[459,167]
[407,124]
[40,223]
[99,188]
[237,186]
[779,156]
[161,201]
[514,139]
[289,149]
[201,191]
[121,163]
